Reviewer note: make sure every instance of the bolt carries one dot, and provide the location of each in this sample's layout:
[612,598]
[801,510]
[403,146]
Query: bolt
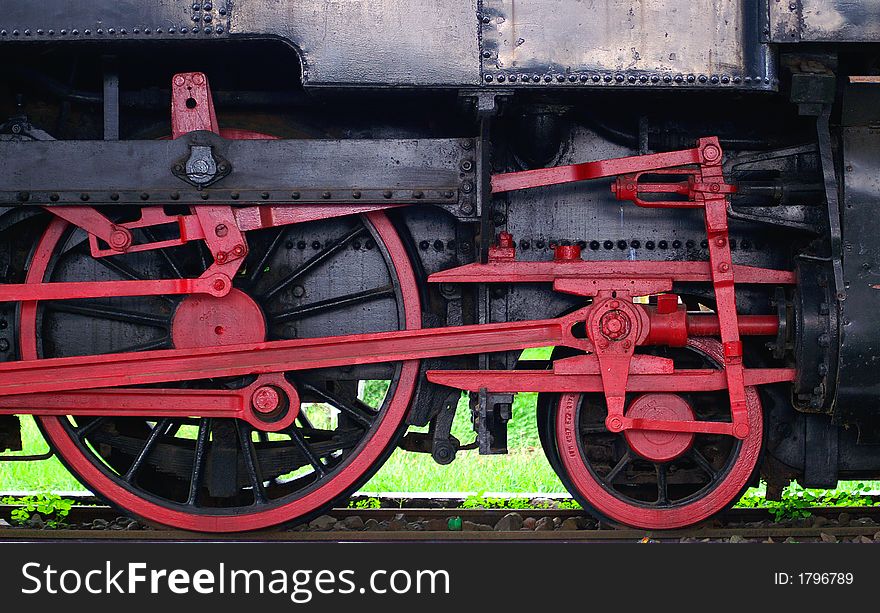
[265,399]
[614,423]
[219,284]
[221,230]
[467,208]
[418,194]
[120,239]
[387,194]
[467,187]
[4,344]
[724,267]
[220,257]
[720,241]
[614,304]
[200,167]
[238,250]
[711,153]
[467,165]
[356,194]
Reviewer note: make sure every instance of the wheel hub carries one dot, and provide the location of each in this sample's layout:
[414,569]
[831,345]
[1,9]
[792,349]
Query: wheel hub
[209,321]
[658,446]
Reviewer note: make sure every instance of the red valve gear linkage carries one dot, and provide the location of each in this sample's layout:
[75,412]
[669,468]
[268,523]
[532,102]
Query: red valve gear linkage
[615,324]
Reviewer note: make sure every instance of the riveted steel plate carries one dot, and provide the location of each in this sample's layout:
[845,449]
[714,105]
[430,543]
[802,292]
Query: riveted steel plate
[402,42]
[824,20]
[621,42]
[62,20]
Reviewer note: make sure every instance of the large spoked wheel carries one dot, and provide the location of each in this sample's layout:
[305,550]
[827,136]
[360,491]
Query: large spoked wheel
[653,480]
[340,276]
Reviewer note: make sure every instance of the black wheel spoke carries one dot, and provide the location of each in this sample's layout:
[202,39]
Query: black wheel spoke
[703,463]
[621,465]
[158,430]
[312,262]
[259,266]
[198,461]
[97,310]
[164,254]
[126,272]
[160,343]
[596,429]
[83,431]
[250,462]
[332,304]
[297,437]
[662,484]
[120,269]
[360,416]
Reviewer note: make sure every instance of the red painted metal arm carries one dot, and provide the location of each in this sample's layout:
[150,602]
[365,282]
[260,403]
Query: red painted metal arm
[125,369]
[539,177]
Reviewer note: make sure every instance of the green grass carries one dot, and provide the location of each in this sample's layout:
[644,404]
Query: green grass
[524,469]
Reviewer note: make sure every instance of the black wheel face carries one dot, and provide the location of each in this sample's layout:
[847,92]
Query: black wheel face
[318,279]
[654,484]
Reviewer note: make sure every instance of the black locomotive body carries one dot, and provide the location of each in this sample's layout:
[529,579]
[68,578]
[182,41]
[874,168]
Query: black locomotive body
[218,187]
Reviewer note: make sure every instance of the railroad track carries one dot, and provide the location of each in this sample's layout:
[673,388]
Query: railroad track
[431,524]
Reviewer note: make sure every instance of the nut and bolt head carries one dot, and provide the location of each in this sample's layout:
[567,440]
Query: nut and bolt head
[120,239]
[266,399]
[711,153]
[614,325]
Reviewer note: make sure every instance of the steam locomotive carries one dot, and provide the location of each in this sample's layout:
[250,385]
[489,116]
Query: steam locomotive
[245,246]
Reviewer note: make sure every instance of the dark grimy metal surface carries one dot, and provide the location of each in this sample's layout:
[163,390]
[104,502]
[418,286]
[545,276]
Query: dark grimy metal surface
[409,42]
[429,43]
[110,172]
[625,43]
[824,20]
[401,42]
[859,375]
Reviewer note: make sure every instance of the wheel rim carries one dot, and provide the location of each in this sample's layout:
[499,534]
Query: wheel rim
[606,485]
[297,496]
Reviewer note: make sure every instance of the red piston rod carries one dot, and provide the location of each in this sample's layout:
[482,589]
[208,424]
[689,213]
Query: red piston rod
[125,369]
